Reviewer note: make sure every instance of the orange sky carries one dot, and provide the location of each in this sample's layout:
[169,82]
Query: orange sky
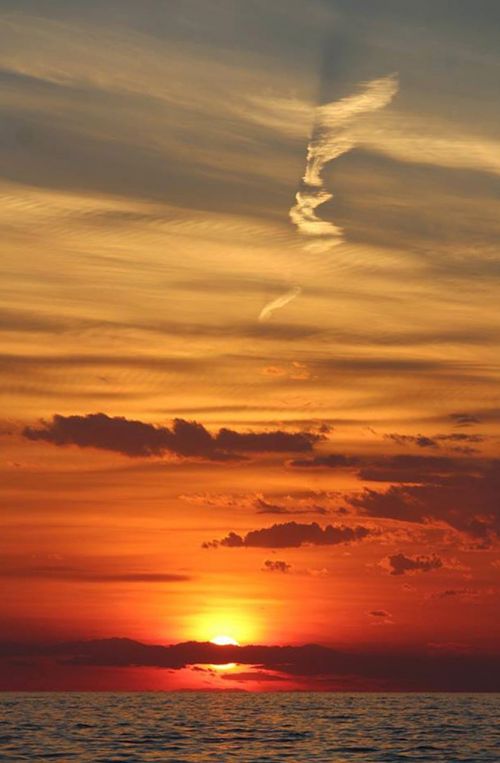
[340,486]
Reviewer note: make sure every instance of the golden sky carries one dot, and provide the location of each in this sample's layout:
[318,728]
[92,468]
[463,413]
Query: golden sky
[249,330]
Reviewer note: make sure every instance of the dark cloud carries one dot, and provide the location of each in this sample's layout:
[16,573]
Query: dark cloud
[420,440]
[464,419]
[276,566]
[379,613]
[456,593]
[184,438]
[255,675]
[33,322]
[76,575]
[30,321]
[460,437]
[408,468]
[264,507]
[270,442]
[399,468]
[382,366]
[400,564]
[462,493]
[31,364]
[423,441]
[426,488]
[330,461]
[292,535]
[275,509]
[434,670]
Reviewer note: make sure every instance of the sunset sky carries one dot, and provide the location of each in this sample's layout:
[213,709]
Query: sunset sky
[249,334]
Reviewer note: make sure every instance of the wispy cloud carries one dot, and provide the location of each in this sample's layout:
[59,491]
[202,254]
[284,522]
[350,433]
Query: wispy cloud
[275,304]
[427,139]
[332,136]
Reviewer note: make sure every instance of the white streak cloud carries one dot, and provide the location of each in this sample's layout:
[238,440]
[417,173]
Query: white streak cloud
[332,136]
[269,309]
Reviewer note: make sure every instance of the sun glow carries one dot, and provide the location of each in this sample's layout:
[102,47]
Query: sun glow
[224,666]
[226,620]
[223,640]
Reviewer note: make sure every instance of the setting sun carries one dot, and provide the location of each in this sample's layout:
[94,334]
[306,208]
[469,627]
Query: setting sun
[225,622]
[223,640]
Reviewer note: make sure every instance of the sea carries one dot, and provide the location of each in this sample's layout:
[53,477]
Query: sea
[244,727]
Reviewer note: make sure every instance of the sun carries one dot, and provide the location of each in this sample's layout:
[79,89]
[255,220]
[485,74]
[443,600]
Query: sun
[223,640]
[223,623]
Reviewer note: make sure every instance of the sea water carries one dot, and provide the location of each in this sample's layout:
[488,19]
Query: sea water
[243,727]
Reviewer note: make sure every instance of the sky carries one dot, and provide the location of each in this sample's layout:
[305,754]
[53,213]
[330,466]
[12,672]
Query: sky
[249,344]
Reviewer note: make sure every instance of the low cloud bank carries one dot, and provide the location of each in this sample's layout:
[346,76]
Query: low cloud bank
[322,666]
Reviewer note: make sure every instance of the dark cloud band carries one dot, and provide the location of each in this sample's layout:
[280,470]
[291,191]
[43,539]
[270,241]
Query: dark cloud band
[183,438]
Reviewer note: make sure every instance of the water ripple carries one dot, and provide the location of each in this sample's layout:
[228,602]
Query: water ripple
[249,728]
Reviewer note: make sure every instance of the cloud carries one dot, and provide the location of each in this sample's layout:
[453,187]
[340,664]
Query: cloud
[294,504]
[295,370]
[267,442]
[463,493]
[276,566]
[379,613]
[253,675]
[400,468]
[76,575]
[460,437]
[225,107]
[456,593]
[423,441]
[329,139]
[330,461]
[416,140]
[332,136]
[399,564]
[184,438]
[409,468]
[278,303]
[464,419]
[303,215]
[264,507]
[292,535]
[424,670]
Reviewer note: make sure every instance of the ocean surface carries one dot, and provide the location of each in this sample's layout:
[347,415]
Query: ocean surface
[266,728]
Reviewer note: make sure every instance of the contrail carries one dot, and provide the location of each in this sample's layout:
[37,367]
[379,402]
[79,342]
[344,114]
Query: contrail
[269,309]
[332,136]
